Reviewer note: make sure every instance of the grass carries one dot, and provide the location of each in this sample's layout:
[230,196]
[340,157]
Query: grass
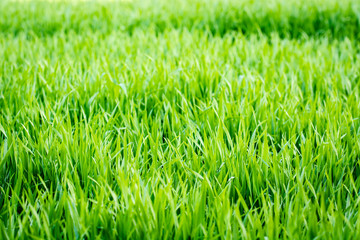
[290,18]
[213,120]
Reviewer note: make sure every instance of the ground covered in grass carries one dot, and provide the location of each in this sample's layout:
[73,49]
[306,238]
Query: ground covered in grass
[180,119]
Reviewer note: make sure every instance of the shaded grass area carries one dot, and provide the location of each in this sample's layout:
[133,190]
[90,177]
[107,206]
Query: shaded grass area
[182,134]
[291,19]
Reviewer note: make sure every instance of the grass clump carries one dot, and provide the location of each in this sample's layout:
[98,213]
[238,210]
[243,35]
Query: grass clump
[132,120]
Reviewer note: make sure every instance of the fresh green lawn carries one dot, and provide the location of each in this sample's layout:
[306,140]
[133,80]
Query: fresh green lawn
[180,120]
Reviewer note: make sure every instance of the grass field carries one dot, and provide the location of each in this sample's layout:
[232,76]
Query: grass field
[180,119]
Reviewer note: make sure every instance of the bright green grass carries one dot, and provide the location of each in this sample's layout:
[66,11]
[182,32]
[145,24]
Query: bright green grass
[164,126]
[289,18]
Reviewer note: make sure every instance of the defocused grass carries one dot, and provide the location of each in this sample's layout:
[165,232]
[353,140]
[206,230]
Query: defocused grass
[208,120]
[291,18]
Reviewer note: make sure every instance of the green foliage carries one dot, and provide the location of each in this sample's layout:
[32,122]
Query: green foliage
[210,120]
[289,18]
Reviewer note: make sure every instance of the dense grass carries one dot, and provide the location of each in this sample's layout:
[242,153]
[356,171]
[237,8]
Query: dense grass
[132,120]
[291,18]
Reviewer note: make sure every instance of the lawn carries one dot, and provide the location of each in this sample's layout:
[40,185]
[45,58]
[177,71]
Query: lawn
[193,119]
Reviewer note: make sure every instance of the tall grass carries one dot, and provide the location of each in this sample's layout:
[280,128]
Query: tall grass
[129,120]
[289,18]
